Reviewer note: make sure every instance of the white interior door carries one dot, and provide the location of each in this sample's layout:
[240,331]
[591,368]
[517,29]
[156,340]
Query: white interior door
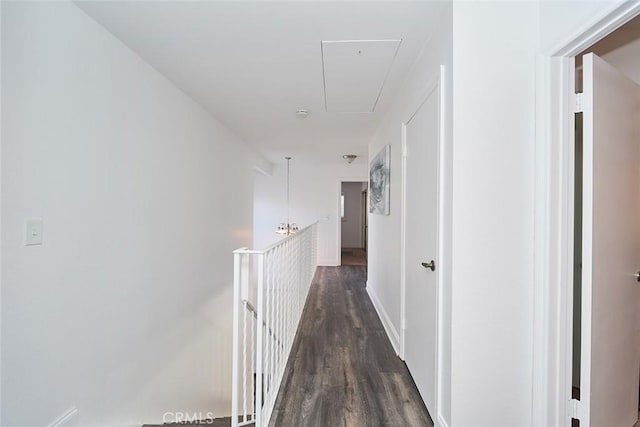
[610,368]
[421,247]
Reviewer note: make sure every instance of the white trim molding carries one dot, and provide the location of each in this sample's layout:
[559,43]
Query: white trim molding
[328,262]
[391,331]
[553,252]
[403,238]
[441,422]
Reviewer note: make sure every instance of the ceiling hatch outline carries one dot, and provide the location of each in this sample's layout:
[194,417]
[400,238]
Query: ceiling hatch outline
[353,83]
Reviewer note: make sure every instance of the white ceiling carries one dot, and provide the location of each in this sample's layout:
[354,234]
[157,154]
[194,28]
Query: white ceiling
[253,64]
[355,72]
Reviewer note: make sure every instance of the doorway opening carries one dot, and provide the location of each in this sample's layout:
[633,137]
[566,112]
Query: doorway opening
[570,326]
[593,289]
[353,222]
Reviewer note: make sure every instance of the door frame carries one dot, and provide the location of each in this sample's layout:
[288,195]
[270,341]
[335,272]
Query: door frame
[338,216]
[364,194]
[553,216]
[438,85]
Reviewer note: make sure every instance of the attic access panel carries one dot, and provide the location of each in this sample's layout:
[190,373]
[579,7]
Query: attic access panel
[355,72]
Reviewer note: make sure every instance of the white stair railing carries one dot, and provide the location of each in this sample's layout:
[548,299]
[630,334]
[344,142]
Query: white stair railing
[270,288]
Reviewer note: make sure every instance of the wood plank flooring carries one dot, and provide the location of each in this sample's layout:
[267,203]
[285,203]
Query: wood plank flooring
[218,422]
[343,370]
[353,256]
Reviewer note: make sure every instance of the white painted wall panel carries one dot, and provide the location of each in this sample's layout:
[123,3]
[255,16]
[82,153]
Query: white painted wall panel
[493,152]
[384,231]
[124,311]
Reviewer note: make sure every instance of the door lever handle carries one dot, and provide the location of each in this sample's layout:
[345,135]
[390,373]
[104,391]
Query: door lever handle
[637,276]
[430,265]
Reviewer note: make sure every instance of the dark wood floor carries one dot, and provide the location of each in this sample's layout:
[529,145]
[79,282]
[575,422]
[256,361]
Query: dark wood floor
[343,370]
[353,256]
[218,422]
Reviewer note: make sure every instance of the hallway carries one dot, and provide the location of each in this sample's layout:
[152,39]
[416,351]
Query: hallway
[343,370]
[353,256]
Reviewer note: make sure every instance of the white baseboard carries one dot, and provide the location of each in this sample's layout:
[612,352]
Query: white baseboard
[391,331]
[441,422]
[328,263]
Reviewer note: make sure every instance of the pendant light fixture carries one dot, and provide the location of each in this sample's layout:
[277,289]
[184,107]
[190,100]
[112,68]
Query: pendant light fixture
[288,227]
[349,158]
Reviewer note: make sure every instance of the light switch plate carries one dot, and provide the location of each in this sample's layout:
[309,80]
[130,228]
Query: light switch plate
[33,232]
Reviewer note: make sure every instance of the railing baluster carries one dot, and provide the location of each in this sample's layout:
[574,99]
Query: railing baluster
[244,363]
[253,367]
[280,286]
[271,338]
[267,327]
[276,348]
[259,344]
[234,361]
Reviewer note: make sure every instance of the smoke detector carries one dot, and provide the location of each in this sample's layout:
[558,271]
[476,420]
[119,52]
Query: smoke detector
[302,114]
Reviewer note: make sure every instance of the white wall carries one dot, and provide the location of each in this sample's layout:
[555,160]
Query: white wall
[493,156]
[351,224]
[563,20]
[124,311]
[315,196]
[493,195]
[384,231]
[626,54]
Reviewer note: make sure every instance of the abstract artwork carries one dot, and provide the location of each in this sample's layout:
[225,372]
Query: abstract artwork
[379,201]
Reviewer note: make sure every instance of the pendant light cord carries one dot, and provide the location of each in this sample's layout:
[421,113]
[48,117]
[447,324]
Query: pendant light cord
[288,172]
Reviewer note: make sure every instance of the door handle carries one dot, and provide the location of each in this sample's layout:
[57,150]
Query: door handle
[637,276]
[432,265]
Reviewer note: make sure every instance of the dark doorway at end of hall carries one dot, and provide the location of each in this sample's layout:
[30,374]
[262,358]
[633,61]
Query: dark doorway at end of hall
[354,223]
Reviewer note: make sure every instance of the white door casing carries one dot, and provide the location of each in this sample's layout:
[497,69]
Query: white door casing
[610,363]
[421,245]
[554,168]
